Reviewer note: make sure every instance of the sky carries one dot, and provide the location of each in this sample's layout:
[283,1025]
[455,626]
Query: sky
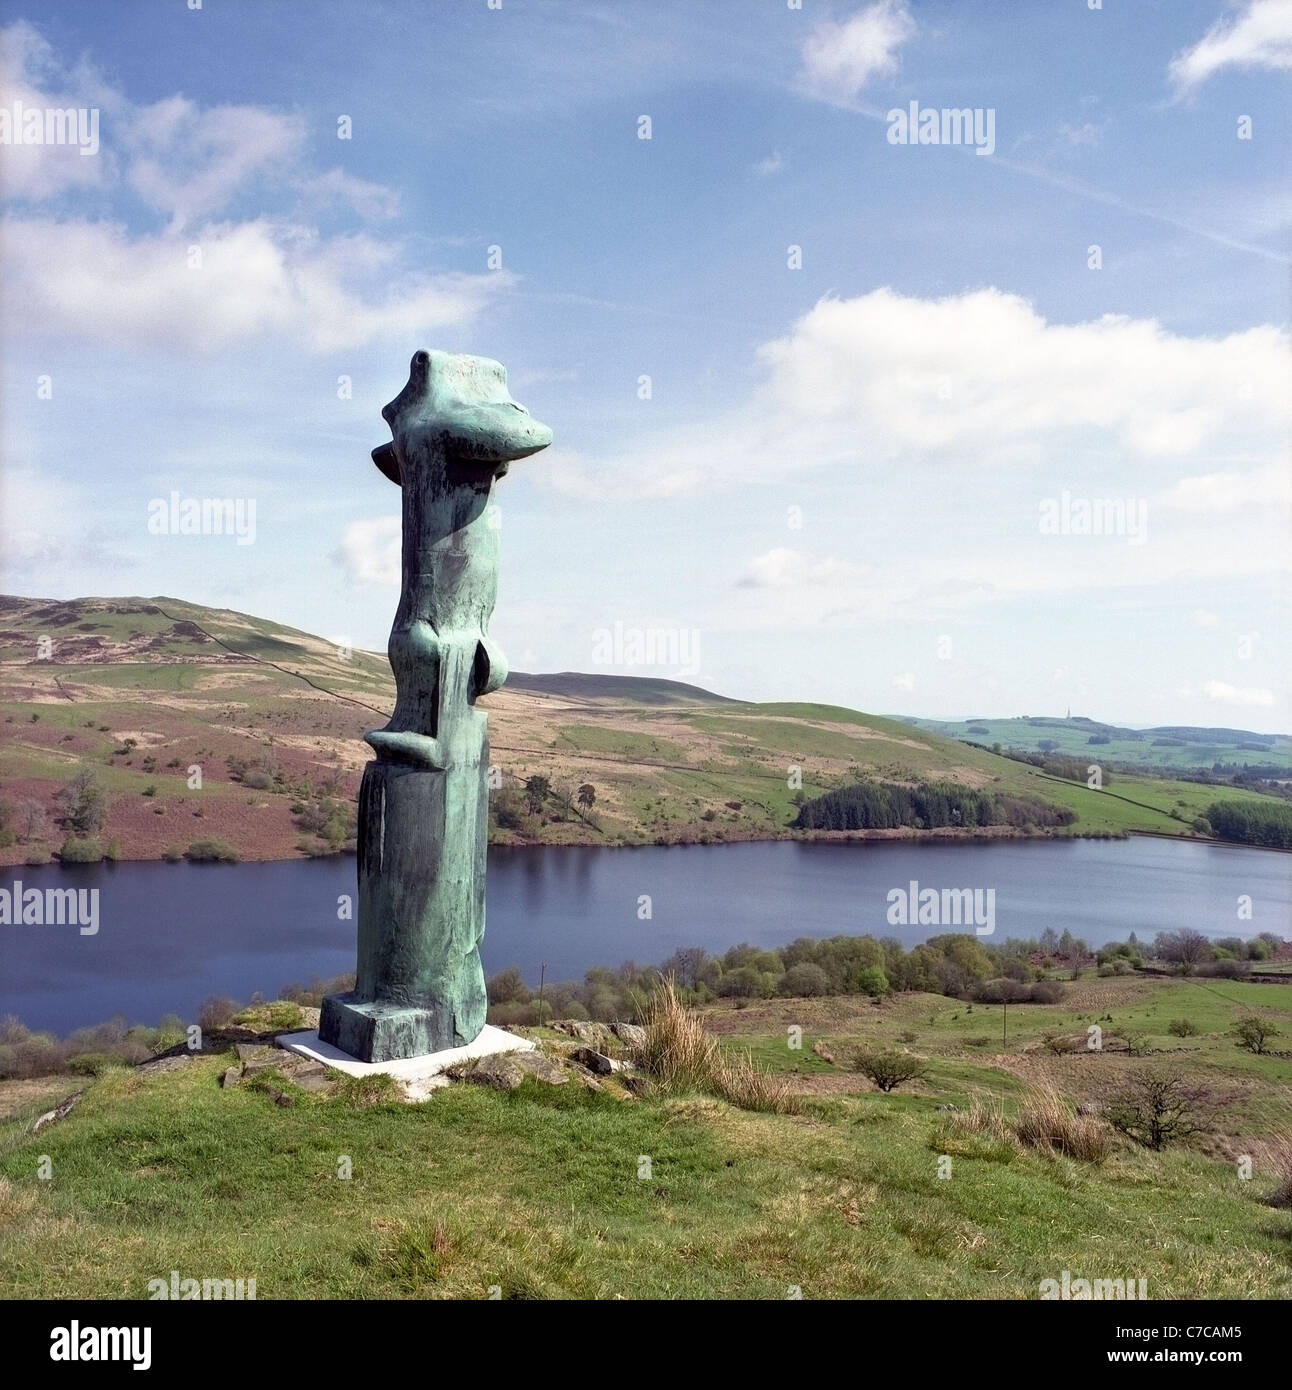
[829,406]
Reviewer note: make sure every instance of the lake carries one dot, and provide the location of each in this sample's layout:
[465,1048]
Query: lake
[170,934]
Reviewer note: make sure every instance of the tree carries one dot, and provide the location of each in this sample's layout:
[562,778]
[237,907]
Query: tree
[84,806]
[31,819]
[537,789]
[587,796]
[685,965]
[1256,1034]
[873,981]
[805,980]
[1156,1108]
[888,1070]
[508,986]
[1186,948]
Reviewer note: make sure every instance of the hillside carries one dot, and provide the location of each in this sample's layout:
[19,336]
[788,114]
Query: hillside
[541,1191]
[142,690]
[1169,748]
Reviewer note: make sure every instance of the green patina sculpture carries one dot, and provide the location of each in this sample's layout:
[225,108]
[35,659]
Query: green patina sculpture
[423,803]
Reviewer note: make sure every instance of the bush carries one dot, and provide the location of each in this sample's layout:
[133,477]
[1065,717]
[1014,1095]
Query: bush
[80,851]
[211,852]
[1255,1034]
[172,854]
[215,1012]
[1045,992]
[1181,1028]
[1157,1108]
[804,981]
[92,1063]
[873,981]
[889,1070]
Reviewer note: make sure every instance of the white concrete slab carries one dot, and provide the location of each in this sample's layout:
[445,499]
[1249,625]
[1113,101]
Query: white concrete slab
[416,1075]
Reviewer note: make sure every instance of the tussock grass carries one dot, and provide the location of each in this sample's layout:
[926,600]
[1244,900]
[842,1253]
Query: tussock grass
[1046,1120]
[681,1055]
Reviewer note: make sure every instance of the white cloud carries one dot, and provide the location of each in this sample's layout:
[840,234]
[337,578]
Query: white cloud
[839,59]
[1227,491]
[93,280]
[1259,37]
[372,201]
[773,164]
[783,568]
[369,552]
[1225,694]
[906,681]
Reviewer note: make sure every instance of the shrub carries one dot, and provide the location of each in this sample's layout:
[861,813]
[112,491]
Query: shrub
[80,851]
[872,980]
[215,1012]
[172,854]
[1255,1034]
[804,980]
[889,1070]
[1058,1043]
[1181,1028]
[92,1063]
[1047,1121]
[1045,992]
[211,852]
[1157,1108]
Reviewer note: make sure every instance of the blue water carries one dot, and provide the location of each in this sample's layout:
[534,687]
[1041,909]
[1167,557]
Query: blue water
[171,934]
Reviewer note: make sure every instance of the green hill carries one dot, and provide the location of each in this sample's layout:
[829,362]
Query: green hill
[142,690]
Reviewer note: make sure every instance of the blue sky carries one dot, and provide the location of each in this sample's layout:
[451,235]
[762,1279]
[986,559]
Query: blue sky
[838,477]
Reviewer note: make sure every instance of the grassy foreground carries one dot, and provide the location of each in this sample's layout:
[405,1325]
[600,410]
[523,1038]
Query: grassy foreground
[541,1192]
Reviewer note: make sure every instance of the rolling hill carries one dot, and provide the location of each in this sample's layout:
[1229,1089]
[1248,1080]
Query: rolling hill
[141,691]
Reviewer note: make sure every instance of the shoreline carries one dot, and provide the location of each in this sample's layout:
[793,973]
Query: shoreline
[942,835]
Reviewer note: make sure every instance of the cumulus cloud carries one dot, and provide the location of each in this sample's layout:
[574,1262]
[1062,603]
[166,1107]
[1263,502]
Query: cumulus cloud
[369,552]
[1260,36]
[840,59]
[1224,694]
[210,280]
[95,280]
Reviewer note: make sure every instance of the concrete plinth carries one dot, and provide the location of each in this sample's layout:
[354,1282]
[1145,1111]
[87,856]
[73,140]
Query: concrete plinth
[415,1074]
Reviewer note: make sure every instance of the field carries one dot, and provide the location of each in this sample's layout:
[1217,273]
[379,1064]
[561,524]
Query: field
[540,1192]
[143,691]
[1166,748]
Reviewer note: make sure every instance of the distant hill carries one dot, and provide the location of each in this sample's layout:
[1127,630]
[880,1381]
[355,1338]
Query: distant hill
[141,690]
[1176,747]
[636,690]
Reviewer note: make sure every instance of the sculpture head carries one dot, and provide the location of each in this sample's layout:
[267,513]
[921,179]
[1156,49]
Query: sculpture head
[457,409]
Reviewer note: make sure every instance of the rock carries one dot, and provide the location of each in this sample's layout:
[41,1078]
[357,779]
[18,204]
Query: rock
[309,1019]
[57,1112]
[257,1057]
[170,1063]
[595,1034]
[946,1107]
[630,1034]
[586,1079]
[1090,1107]
[231,1077]
[637,1083]
[501,1071]
[540,1066]
[595,1061]
[310,1075]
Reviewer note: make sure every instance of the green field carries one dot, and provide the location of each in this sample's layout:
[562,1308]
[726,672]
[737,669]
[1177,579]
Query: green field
[538,1192]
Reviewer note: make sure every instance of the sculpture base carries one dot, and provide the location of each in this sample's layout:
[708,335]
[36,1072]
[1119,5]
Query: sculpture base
[370,1031]
[417,1076]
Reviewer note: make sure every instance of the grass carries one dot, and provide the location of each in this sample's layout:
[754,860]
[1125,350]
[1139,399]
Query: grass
[542,1192]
